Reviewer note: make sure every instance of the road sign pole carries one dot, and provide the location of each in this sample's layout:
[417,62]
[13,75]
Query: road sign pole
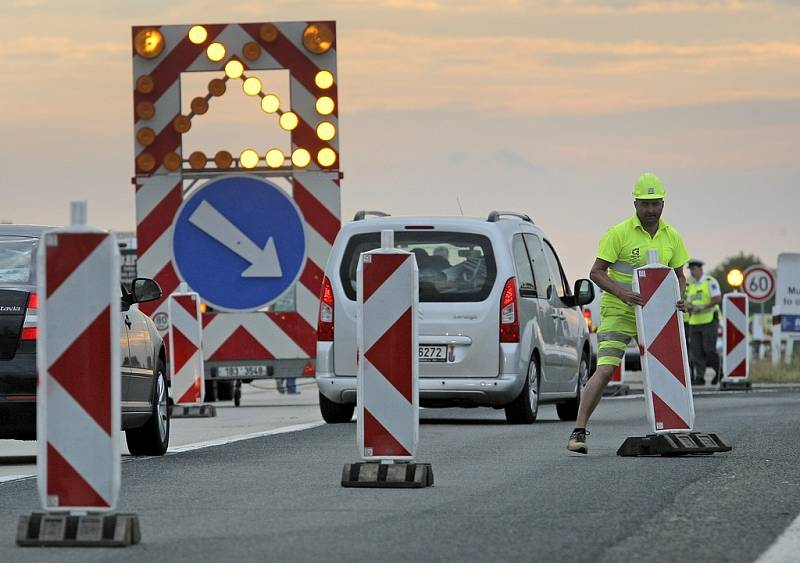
[388,362]
[78,395]
[665,369]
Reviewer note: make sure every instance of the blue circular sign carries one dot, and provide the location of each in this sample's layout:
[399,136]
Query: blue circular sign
[239,241]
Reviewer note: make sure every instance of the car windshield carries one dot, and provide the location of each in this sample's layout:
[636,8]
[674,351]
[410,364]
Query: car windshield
[17,260]
[453,267]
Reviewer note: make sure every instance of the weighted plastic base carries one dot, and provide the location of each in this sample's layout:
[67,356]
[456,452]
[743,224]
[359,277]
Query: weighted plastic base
[616,390]
[732,385]
[192,411]
[66,530]
[374,474]
[673,444]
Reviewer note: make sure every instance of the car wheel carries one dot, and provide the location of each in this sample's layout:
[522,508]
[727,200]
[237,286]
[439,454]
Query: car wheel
[569,410]
[335,413]
[153,437]
[525,407]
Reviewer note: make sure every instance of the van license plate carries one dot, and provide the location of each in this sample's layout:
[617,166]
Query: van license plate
[432,353]
[242,371]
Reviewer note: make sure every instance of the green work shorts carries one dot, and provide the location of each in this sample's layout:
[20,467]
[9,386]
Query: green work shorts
[617,328]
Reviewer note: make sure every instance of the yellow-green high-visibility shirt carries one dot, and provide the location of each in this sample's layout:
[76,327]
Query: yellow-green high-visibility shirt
[626,245]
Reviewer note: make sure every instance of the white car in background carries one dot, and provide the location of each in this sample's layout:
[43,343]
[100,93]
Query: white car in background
[499,325]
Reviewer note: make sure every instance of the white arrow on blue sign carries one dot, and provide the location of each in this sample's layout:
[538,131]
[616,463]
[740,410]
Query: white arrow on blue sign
[239,241]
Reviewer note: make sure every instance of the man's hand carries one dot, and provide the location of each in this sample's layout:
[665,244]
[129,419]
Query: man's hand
[682,306]
[629,297]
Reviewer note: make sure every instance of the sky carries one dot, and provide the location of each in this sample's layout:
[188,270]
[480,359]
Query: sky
[550,107]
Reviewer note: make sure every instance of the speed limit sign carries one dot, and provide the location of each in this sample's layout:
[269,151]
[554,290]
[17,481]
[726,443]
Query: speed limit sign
[758,284]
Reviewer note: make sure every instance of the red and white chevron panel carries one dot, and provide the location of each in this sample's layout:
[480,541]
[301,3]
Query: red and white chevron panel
[618,377]
[735,337]
[665,363]
[388,394]
[185,350]
[78,360]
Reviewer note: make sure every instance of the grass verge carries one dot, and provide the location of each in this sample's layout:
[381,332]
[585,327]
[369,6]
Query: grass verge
[762,371]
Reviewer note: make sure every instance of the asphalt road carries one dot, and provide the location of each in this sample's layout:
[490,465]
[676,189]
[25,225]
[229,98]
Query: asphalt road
[502,493]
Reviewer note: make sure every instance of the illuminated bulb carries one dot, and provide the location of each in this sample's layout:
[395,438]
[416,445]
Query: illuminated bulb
[234,69]
[270,103]
[275,158]
[148,43]
[324,79]
[249,158]
[216,52]
[198,34]
[301,158]
[326,157]
[325,105]
[288,121]
[326,131]
[252,86]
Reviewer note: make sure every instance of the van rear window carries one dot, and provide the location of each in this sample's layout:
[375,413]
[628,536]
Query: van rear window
[453,267]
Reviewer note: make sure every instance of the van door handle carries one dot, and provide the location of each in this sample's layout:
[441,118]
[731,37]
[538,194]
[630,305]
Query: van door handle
[556,315]
[128,321]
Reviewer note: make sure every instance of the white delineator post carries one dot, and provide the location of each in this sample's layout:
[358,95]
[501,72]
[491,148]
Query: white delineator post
[78,357]
[185,348]
[665,365]
[388,393]
[735,338]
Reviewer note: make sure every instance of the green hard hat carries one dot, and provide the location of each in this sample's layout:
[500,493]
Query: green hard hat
[648,186]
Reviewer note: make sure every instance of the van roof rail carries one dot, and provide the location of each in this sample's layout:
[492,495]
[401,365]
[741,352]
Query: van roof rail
[361,215]
[495,216]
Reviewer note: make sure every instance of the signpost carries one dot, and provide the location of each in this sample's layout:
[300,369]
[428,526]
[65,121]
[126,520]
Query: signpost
[786,314]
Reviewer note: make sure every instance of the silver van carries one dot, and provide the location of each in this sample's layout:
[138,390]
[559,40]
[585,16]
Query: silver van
[499,325]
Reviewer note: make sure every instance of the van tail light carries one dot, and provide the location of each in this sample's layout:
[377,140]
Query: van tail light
[325,322]
[509,315]
[587,316]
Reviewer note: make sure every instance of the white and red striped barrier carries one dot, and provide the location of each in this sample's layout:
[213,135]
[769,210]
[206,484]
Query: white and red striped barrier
[665,365]
[78,356]
[185,348]
[735,338]
[388,393]
[618,377]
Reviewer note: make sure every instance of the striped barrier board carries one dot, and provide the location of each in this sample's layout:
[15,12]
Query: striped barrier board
[735,340]
[665,365]
[185,350]
[388,394]
[78,357]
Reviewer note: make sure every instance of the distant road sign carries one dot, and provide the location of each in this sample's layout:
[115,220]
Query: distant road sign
[239,241]
[759,284]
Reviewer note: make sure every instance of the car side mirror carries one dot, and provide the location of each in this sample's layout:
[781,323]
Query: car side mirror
[144,290]
[584,292]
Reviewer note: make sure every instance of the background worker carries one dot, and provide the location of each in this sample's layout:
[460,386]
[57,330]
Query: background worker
[622,249]
[703,296]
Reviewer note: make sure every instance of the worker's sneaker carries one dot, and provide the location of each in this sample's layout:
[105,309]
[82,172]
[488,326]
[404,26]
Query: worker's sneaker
[577,441]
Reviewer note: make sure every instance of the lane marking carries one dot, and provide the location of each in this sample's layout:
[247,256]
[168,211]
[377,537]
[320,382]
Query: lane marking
[198,445]
[786,547]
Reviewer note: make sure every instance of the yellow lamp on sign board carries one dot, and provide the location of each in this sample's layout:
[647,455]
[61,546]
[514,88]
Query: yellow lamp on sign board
[148,43]
[251,51]
[146,161]
[146,136]
[199,105]
[234,69]
[145,84]
[301,158]
[145,110]
[216,52]
[324,79]
[275,158]
[325,105]
[223,160]
[252,86]
[288,121]
[197,160]
[197,34]
[216,87]
[270,103]
[318,38]
[326,131]
[172,161]
[326,157]
[249,158]
[735,278]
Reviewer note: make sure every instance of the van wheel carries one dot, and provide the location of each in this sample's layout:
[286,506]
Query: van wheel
[153,437]
[525,407]
[569,410]
[335,413]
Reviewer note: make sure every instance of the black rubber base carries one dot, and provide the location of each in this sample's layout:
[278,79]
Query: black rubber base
[673,444]
[730,385]
[66,530]
[616,390]
[192,411]
[374,474]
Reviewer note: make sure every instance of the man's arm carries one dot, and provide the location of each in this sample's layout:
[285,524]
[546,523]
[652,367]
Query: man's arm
[599,275]
[682,284]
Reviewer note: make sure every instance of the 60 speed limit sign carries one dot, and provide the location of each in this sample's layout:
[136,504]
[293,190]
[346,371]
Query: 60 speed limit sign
[759,284]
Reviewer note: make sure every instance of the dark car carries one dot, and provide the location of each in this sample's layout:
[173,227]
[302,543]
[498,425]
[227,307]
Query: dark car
[145,417]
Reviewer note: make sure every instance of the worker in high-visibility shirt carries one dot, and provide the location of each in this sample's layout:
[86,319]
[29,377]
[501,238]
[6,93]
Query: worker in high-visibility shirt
[703,296]
[622,249]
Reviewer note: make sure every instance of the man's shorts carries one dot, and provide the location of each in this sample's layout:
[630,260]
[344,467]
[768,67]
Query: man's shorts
[616,331]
